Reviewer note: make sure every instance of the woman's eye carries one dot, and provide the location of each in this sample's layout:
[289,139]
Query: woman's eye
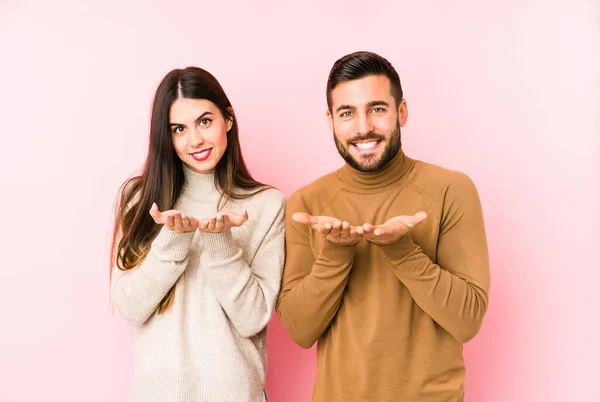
[205,122]
[178,129]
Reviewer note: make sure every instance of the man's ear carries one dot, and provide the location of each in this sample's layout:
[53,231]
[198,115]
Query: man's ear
[330,119]
[403,112]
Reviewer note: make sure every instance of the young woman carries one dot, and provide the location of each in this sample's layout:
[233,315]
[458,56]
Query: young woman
[198,252]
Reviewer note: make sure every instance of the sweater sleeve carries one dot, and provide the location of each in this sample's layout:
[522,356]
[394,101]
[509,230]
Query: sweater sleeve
[313,286]
[137,292]
[453,292]
[247,293]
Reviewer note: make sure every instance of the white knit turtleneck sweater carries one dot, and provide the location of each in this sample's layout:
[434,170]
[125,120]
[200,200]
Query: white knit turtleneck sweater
[210,344]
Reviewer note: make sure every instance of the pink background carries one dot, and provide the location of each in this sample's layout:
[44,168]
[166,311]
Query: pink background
[506,92]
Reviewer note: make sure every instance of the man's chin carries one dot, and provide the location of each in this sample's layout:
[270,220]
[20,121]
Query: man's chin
[367,159]
[366,163]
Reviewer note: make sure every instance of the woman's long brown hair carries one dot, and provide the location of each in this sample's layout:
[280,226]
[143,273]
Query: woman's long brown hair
[162,177]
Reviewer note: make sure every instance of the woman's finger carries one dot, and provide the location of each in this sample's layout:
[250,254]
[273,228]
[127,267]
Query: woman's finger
[168,222]
[204,224]
[177,224]
[155,213]
[226,222]
[194,223]
[185,223]
[219,223]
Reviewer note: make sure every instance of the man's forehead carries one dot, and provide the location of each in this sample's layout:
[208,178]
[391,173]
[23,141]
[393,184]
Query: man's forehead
[362,91]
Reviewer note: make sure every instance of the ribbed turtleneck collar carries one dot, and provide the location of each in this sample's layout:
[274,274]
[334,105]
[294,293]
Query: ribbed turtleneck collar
[373,181]
[199,185]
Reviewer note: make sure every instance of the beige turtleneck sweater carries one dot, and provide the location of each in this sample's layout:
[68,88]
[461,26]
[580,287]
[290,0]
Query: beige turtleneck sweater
[210,344]
[390,321]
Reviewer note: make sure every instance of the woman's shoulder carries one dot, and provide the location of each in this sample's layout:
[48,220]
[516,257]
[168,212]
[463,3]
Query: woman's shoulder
[265,202]
[268,197]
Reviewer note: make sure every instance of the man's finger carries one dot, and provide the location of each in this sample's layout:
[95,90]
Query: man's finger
[368,228]
[383,230]
[345,230]
[325,228]
[416,219]
[304,218]
[336,228]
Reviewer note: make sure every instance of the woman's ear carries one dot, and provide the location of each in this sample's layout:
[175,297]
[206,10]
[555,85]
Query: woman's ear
[229,121]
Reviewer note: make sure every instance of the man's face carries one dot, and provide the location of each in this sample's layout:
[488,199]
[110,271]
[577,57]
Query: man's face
[366,122]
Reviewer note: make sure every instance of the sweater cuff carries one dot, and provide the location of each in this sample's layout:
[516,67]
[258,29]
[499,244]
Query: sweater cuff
[397,252]
[172,246]
[219,246]
[337,253]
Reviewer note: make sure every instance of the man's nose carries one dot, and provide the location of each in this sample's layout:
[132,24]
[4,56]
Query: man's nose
[363,125]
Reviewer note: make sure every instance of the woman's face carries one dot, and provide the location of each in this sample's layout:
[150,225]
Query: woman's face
[199,133]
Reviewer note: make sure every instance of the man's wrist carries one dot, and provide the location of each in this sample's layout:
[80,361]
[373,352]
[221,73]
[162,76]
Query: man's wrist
[338,252]
[399,249]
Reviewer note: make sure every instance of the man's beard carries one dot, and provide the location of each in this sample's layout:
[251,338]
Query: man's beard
[368,162]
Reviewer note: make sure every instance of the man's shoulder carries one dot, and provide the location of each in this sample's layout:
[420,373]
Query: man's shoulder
[440,184]
[319,192]
[431,176]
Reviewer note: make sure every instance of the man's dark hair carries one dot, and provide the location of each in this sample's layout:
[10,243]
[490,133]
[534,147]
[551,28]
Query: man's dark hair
[358,65]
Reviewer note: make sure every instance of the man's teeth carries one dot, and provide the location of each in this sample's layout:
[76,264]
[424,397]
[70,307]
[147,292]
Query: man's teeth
[365,145]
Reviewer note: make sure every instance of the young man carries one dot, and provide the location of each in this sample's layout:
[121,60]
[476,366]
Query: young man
[387,261]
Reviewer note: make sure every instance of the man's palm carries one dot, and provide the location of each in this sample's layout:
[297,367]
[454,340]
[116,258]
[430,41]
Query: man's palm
[332,229]
[392,230]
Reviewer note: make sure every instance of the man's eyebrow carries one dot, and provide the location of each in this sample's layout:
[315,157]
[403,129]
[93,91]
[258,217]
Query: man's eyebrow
[377,103]
[370,104]
[343,107]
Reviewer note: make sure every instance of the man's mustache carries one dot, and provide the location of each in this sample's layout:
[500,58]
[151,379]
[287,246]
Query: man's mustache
[366,137]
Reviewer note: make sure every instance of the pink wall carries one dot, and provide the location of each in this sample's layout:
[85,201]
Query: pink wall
[506,92]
